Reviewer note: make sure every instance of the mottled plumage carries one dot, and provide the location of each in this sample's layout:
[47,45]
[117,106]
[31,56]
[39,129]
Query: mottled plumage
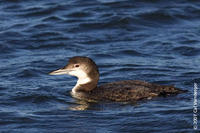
[127,91]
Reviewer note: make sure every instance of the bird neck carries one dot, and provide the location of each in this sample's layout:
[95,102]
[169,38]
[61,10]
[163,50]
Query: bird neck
[86,84]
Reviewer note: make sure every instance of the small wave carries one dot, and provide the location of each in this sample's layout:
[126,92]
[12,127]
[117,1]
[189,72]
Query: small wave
[34,98]
[187,51]
[192,11]
[189,41]
[155,75]
[27,73]
[52,19]
[55,45]
[190,75]
[79,14]
[11,34]
[46,34]
[39,11]
[125,69]
[39,26]
[153,69]
[4,48]
[19,26]
[12,7]
[128,53]
[13,1]
[113,22]
[103,56]
[118,3]
[158,16]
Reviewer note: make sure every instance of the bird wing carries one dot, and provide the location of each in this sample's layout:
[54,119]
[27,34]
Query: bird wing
[131,90]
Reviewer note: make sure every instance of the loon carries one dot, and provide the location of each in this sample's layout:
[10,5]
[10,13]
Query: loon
[86,87]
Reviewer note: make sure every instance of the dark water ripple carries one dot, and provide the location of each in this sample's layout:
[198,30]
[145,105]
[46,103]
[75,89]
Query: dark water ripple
[151,40]
[187,51]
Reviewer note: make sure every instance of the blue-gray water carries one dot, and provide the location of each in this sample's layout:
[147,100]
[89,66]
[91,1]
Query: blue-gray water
[153,40]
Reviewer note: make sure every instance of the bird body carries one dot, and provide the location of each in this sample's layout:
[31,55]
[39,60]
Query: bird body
[86,87]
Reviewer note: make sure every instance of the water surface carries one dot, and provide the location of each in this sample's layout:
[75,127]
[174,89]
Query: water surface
[152,40]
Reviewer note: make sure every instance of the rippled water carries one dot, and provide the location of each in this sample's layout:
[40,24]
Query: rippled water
[152,40]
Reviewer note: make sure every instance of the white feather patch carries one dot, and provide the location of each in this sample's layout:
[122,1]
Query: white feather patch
[81,75]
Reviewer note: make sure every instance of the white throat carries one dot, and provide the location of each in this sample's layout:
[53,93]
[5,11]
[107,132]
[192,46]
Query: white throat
[83,78]
[79,82]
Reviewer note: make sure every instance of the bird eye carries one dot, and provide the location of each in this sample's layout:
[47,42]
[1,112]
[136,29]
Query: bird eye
[76,65]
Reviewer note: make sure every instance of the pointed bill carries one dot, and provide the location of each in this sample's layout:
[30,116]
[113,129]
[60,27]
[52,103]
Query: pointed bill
[60,72]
